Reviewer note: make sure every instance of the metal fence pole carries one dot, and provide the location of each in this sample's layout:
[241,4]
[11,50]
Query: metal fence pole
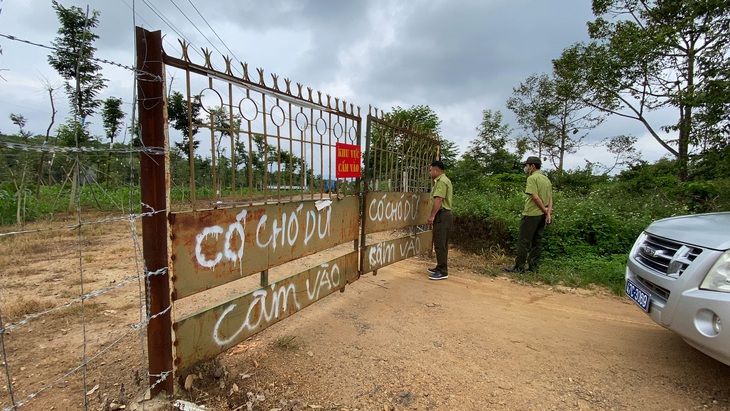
[154,186]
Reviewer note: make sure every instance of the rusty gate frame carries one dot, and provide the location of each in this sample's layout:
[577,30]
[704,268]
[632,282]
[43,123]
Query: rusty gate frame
[175,269]
[396,196]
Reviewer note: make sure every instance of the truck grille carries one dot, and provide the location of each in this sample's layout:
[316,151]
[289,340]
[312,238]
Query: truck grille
[656,291]
[666,256]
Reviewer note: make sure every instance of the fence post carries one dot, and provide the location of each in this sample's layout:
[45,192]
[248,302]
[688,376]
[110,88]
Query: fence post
[154,186]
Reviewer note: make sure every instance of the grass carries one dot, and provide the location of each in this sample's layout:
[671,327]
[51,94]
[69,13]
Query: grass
[76,280]
[16,310]
[68,294]
[583,271]
[287,343]
[586,270]
[89,309]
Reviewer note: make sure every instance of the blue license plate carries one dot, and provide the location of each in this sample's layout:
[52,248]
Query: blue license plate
[635,293]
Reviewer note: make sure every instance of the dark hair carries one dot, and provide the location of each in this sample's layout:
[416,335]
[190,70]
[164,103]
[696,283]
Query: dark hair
[438,164]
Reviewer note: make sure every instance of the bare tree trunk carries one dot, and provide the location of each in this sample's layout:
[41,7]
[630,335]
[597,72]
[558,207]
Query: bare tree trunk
[48,135]
[20,189]
[108,161]
[74,183]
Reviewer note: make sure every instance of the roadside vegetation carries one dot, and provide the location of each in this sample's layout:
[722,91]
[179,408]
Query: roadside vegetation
[596,217]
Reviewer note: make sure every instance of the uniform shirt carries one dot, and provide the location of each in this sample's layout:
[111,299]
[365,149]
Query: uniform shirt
[537,183]
[442,188]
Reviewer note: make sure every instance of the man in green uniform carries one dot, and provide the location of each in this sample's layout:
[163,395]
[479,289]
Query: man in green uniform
[441,219]
[537,213]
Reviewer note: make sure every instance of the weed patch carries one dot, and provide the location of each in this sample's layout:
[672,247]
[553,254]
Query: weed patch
[287,343]
[16,310]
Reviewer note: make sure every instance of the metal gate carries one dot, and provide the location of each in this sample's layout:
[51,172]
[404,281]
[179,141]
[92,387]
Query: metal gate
[397,187]
[236,232]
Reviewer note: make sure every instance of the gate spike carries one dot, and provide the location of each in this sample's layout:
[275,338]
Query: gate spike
[244,67]
[276,81]
[184,48]
[228,65]
[207,54]
[261,76]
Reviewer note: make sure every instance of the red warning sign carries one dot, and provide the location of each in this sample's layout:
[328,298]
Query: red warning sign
[348,160]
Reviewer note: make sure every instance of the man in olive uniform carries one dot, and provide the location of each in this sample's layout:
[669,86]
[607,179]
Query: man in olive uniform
[441,219]
[537,213]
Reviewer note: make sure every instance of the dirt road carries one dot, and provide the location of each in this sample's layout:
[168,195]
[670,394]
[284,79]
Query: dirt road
[398,341]
[395,341]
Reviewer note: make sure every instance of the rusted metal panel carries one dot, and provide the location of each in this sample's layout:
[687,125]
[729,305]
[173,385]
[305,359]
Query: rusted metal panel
[391,211]
[213,247]
[204,335]
[388,252]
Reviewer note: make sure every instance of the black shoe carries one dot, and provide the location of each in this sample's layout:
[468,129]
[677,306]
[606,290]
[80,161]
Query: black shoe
[431,270]
[438,275]
[514,270]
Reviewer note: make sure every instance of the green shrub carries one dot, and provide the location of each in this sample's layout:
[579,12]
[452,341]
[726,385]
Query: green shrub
[593,229]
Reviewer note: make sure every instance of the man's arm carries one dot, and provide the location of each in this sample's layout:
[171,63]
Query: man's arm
[436,207]
[546,210]
[549,218]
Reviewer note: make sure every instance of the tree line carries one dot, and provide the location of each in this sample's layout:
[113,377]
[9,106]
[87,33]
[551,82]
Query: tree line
[642,56]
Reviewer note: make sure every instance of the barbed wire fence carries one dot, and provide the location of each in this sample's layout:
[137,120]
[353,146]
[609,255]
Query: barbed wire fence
[74,307]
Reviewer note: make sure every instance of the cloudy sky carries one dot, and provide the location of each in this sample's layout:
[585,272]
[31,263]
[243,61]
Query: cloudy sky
[459,57]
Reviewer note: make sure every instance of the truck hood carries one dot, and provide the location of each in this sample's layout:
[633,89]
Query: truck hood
[703,230]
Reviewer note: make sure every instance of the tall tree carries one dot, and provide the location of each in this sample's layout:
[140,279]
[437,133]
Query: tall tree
[73,58]
[260,157]
[225,124]
[395,154]
[654,54]
[21,168]
[20,121]
[421,118]
[112,116]
[41,161]
[533,102]
[184,116]
[624,152]
[551,110]
[449,153]
[489,150]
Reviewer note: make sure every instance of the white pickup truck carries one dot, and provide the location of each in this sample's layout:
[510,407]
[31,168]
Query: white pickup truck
[679,273]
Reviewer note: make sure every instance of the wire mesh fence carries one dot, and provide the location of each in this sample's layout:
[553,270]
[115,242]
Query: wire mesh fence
[73,312]
[73,283]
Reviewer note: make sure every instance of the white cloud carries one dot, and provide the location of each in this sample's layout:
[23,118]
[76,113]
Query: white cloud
[458,57]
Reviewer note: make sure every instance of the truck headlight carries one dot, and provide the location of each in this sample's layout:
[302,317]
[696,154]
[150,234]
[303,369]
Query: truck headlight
[718,278]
